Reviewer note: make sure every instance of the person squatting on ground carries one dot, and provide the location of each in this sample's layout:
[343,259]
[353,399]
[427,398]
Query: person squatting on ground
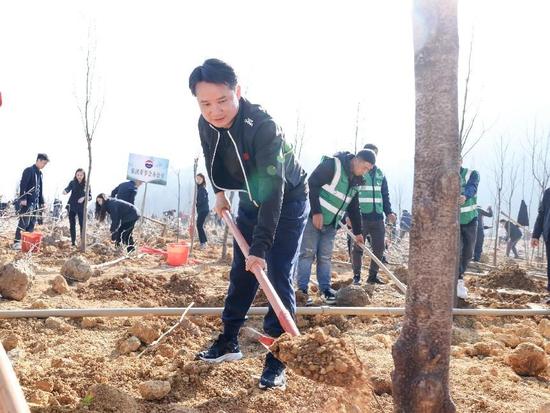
[123,219]
[374,202]
[513,235]
[478,249]
[469,180]
[202,207]
[31,198]
[333,191]
[75,205]
[542,228]
[245,151]
[127,191]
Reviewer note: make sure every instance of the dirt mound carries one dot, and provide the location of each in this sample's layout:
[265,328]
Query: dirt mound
[352,296]
[509,275]
[77,268]
[15,280]
[128,287]
[320,357]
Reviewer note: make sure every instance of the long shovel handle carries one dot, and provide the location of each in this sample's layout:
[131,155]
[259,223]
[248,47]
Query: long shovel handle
[399,284]
[287,322]
[12,399]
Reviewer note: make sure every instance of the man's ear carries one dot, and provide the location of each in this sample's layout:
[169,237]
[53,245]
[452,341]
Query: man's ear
[238,91]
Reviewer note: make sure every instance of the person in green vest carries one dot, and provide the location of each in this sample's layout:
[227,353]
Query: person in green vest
[374,202]
[333,191]
[469,180]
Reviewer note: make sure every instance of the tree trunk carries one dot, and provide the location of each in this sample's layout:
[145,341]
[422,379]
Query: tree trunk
[87,191]
[422,351]
[179,208]
[497,226]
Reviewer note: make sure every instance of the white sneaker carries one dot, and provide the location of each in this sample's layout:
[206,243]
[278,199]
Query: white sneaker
[461,290]
[16,246]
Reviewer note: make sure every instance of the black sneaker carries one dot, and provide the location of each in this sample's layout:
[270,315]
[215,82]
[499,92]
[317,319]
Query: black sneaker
[375,280]
[221,350]
[357,280]
[309,300]
[328,297]
[273,375]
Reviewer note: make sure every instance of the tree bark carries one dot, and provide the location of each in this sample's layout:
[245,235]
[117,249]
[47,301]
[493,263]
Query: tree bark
[422,351]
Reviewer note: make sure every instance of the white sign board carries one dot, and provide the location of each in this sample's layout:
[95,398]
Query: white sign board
[147,169]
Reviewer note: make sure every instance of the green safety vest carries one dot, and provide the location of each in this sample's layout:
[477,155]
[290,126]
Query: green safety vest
[468,210]
[336,196]
[370,194]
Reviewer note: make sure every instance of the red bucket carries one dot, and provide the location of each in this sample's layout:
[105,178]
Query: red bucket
[177,254]
[31,241]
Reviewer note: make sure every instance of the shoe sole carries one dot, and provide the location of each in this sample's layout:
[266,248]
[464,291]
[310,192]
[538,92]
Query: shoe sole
[225,357]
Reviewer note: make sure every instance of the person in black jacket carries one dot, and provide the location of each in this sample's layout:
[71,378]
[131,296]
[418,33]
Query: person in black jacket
[126,191]
[478,249]
[31,197]
[75,206]
[542,227]
[513,235]
[245,151]
[202,207]
[123,218]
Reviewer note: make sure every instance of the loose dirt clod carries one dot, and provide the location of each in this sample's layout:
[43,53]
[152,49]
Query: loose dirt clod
[129,345]
[77,268]
[105,398]
[402,273]
[352,296]
[10,342]
[528,360]
[320,357]
[15,279]
[146,333]
[509,275]
[154,389]
[59,285]
[544,327]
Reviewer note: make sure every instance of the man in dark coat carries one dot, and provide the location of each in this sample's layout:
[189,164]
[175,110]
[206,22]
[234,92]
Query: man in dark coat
[542,227]
[245,151]
[31,197]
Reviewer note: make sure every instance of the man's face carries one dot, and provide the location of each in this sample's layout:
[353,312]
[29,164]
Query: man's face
[41,163]
[218,103]
[361,167]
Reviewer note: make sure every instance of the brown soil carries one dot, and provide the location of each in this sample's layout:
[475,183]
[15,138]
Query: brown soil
[59,367]
[322,355]
[509,275]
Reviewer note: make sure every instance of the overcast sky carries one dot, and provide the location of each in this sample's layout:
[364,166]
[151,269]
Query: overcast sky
[318,59]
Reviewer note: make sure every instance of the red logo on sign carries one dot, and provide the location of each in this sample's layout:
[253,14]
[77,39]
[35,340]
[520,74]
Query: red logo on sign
[148,164]
[246,156]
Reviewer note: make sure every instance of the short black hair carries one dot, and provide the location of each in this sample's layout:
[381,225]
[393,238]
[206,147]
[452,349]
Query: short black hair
[371,146]
[213,71]
[42,157]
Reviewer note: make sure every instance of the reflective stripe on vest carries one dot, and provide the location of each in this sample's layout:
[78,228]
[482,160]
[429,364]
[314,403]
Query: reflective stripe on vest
[370,194]
[468,210]
[336,196]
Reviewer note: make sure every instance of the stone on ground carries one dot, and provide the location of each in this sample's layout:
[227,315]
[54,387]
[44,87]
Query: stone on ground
[154,389]
[128,345]
[352,296]
[77,268]
[146,333]
[528,360]
[15,280]
[105,398]
[59,285]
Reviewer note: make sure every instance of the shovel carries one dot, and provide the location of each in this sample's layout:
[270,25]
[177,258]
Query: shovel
[281,312]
